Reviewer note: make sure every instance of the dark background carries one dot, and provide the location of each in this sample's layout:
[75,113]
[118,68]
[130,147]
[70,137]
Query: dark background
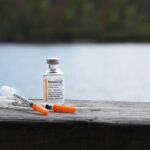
[48,21]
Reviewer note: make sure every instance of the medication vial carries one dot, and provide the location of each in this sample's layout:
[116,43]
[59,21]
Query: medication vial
[53,83]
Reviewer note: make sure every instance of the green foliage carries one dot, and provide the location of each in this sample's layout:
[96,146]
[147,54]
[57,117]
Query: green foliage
[74,20]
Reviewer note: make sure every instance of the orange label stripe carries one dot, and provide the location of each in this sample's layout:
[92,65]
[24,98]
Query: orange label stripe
[46,90]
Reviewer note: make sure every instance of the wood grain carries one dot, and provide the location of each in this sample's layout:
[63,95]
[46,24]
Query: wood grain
[116,113]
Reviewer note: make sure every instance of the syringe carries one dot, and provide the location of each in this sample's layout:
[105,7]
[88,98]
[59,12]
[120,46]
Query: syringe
[60,108]
[13,93]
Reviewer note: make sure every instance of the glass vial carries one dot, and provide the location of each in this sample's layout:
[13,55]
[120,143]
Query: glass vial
[53,83]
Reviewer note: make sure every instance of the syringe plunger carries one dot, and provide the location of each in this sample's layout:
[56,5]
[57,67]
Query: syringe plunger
[8,91]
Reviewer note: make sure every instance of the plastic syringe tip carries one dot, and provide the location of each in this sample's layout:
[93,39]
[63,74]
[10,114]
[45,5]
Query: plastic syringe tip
[64,109]
[37,107]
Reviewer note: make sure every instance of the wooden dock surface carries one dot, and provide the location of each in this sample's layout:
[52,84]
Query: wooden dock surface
[97,125]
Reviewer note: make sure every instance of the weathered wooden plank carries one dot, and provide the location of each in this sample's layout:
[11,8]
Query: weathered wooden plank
[116,113]
[96,126]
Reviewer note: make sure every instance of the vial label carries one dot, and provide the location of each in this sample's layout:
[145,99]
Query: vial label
[53,89]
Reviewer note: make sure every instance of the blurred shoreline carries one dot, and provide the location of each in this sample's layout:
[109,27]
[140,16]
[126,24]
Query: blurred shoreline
[74,43]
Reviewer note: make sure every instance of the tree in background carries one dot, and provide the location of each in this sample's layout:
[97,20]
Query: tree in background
[69,20]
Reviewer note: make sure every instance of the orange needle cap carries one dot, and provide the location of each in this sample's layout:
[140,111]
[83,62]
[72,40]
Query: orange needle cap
[41,109]
[64,109]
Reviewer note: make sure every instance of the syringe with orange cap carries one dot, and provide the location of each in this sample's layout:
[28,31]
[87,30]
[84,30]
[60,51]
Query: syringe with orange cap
[13,93]
[61,108]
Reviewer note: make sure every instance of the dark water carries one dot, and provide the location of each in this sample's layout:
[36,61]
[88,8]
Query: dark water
[94,71]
